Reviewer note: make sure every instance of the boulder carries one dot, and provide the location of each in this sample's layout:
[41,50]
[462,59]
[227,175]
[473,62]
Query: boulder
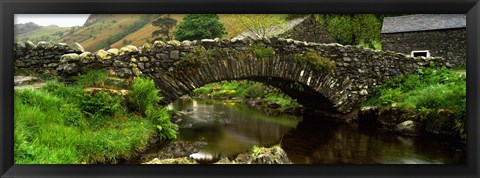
[174,43]
[67,69]
[29,45]
[44,45]
[62,46]
[123,72]
[146,47]
[73,57]
[443,123]
[113,51]
[175,55]
[394,115]
[76,47]
[159,44]
[409,127]
[262,155]
[87,56]
[129,49]
[368,114]
[104,55]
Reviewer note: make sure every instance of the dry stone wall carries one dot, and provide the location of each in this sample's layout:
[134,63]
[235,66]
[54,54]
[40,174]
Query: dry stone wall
[180,67]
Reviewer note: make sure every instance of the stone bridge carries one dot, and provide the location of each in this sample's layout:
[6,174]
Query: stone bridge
[326,77]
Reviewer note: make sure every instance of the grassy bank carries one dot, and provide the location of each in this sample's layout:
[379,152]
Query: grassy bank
[426,92]
[64,124]
[245,89]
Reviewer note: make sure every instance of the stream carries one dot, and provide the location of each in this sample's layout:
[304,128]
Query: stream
[230,128]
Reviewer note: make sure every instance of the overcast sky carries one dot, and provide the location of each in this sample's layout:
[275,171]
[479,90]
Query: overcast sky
[63,20]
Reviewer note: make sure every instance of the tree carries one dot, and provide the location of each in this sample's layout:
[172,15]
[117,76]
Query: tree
[199,26]
[166,25]
[352,29]
[262,25]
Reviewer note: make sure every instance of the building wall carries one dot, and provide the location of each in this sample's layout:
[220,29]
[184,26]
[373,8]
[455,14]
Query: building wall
[309,30]
[450,44]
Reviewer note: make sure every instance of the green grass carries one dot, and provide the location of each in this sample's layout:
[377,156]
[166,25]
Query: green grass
[62,124]
[426,91]
[246,89]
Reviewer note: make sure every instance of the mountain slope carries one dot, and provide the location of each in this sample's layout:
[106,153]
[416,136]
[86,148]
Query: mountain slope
[43,33]
[108,29]
[25,28]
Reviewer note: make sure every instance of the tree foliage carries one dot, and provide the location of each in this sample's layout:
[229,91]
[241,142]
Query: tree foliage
[165,25]
[199,26]
[352,29]
[262,25]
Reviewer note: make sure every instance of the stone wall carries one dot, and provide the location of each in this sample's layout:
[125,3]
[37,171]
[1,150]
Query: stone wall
[450,44]
[42,58]
[180,67]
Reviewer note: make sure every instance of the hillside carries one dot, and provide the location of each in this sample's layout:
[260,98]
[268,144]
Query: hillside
[25,28]
[43,33]
[115,31]
[103,31]
[108,29]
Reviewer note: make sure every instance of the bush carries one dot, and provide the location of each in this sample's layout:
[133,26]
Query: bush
[314,60]
[143,93]
[160,117]
[199,26]
[255,90]
[262,51]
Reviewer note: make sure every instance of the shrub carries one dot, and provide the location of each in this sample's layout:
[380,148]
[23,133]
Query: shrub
[199,26]
[160,117]
[314,60]
[143,93]
[262,51]
[255,90]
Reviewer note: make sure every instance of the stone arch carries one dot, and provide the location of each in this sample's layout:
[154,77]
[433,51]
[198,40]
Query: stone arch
[314,89]
[179,67]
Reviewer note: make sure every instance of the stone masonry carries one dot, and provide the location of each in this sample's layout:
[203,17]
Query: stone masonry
[180,67]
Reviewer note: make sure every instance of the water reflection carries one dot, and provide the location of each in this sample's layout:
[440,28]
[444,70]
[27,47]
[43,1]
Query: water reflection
[232,128]
[317,141]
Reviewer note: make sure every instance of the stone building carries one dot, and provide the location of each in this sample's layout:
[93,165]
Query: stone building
[302,29]
[438,35]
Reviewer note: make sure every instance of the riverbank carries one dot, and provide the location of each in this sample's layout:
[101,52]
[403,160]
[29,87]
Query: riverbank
[87,121]
[432,101]
[254,94]
[189,154]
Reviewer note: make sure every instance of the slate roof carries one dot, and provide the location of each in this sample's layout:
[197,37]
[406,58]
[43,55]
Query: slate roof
[423,22]
[274,31]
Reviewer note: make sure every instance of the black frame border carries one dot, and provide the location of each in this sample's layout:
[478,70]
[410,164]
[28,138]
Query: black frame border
[10,7]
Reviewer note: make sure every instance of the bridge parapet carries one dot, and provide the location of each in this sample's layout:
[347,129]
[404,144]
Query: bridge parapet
[329,76]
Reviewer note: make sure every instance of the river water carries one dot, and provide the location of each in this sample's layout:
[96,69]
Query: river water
[231,128]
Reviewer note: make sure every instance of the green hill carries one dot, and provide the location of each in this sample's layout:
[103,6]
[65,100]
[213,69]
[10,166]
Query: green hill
[45,33]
